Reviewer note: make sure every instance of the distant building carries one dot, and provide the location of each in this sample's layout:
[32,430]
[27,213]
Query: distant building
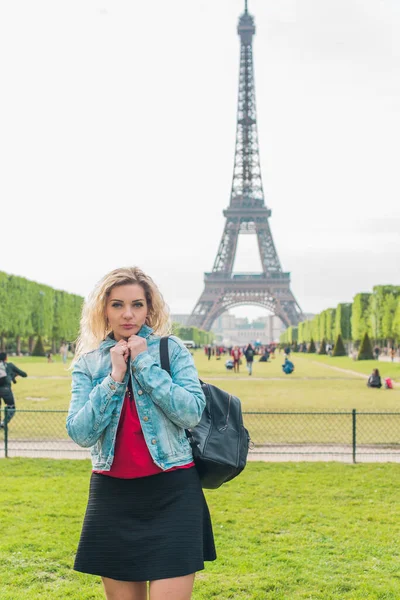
[181,319]
[231,330]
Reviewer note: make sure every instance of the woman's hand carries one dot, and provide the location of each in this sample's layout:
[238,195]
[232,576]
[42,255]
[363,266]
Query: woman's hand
[119,358]
[136,345]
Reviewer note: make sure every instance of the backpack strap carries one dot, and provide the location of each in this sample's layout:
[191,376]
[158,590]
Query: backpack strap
[164,355]
[165,364]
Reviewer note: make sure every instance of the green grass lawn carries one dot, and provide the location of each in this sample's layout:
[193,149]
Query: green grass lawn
[314,386]
[387,369]
[283,532]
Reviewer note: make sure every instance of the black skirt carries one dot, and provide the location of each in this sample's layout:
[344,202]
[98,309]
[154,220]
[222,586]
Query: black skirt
[145,529]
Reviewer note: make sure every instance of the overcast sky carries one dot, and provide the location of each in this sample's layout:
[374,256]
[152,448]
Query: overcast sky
[118,131]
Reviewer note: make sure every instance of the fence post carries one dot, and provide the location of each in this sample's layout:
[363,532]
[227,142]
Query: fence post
[354,412]
[5,432]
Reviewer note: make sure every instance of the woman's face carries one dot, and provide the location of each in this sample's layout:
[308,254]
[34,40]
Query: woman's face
[126,310]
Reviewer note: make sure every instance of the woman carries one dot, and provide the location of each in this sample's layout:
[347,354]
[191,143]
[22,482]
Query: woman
[236,353]
[146,519]
[374,380]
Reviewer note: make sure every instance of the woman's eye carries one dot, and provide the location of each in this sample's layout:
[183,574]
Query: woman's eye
[138,305]
[116,305]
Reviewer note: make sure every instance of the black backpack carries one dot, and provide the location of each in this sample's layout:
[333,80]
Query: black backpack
[220,442]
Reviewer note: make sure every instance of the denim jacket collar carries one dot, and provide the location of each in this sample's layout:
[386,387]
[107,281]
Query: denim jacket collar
[144,332]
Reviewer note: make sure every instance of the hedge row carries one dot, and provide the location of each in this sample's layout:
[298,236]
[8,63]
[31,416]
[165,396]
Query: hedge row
[198,336]
[377,314]
[29,309]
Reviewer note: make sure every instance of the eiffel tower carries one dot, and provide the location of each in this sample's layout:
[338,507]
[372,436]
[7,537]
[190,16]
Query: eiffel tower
[247,214]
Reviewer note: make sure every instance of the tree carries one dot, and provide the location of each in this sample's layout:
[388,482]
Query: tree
[365,352]
[20,308]
[311,347]
[300,332]
[199,336]
[376,309]
[339,349]
[388,313]
[315,328]
[343,321]
[322,325]
[42,309]
[330,324]
[39,348]
[396,321]
[4,309]
[322,348]
[359,316]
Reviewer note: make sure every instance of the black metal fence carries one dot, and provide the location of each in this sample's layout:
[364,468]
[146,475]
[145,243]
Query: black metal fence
[350,436]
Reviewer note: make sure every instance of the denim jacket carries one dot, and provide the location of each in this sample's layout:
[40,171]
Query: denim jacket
[166,405]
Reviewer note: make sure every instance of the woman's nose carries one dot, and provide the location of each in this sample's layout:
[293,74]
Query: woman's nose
[128,313]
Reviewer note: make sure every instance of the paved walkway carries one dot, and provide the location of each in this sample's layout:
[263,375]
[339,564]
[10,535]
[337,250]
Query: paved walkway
[49,377]
[287,378]
[324,453]
[244,378]
[356,373]
[388,359]
[270,453]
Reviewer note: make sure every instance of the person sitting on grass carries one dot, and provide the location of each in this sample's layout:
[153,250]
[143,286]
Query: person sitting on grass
[265,356]
[288,366]
[374,380]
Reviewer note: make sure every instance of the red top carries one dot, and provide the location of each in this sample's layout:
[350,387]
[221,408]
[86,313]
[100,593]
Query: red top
[236,354]
[131,456]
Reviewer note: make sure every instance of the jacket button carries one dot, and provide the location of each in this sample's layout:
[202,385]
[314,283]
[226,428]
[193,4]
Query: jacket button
[133,369]
[140,392]
[112,387]
[145,418]
[154,441]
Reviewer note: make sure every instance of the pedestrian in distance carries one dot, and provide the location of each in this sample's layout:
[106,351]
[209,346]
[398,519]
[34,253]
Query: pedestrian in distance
[392,353]
[236,353]
[147,524]
[374,380]
[64,352]
[249,355]
[209,352]
[8,375]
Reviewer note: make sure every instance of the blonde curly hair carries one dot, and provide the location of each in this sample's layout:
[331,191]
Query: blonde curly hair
[94,326]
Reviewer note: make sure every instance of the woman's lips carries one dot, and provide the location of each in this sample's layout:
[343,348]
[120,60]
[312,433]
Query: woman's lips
[128,326]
